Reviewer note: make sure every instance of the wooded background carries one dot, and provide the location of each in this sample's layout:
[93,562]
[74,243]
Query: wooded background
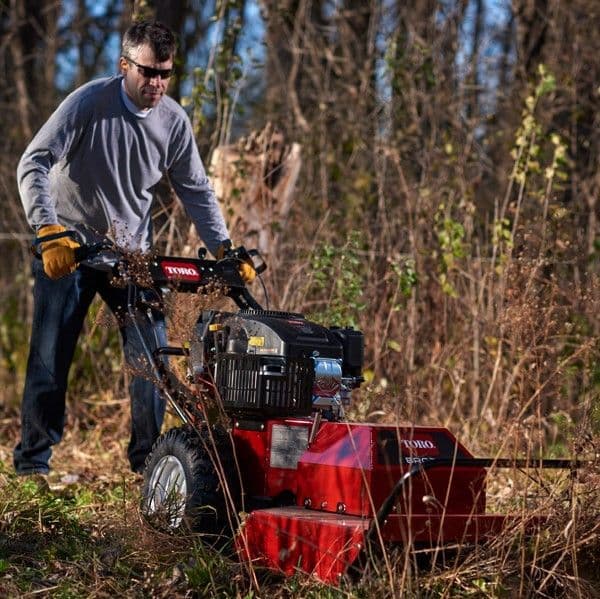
[425,170]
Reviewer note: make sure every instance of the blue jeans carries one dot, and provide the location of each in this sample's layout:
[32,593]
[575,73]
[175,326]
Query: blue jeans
[59,311]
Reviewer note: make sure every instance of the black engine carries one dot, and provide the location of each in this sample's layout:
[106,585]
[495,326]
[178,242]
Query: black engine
[271,363]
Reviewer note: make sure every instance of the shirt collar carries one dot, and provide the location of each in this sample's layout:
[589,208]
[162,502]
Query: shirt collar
[139,112]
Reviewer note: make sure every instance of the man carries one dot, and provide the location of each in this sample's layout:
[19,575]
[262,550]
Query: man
[92,168]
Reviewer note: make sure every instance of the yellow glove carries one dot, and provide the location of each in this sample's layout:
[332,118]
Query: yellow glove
[246,269]
[247,272]
[57,255]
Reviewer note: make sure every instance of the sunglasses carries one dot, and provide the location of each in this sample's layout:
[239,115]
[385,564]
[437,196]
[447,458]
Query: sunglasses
[150,72]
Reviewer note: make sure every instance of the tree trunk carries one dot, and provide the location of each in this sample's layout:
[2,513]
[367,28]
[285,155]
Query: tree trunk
[18,56]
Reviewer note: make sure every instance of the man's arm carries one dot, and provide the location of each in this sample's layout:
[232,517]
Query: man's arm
[51,143]
[191,184]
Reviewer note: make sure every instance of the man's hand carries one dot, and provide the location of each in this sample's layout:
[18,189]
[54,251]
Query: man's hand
[247,272]
[57,255]
[246,269]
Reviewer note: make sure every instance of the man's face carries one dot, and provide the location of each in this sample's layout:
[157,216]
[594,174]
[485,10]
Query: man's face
[145,88]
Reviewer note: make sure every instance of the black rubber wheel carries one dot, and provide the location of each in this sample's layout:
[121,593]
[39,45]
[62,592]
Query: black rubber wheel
[190,481]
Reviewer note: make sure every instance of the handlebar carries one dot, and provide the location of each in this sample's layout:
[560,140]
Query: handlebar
[83,252]
[183,274]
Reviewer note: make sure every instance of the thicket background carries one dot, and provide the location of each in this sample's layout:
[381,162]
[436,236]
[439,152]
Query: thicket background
[446,204]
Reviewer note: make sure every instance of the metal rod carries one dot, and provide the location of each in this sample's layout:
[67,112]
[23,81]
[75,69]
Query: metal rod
[133,313]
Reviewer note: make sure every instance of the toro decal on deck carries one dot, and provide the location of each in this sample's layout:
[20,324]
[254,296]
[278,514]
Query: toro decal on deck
[410,447]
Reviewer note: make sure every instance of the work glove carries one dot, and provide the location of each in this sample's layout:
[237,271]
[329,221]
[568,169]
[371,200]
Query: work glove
[58,255]
[246,268]
[247,272]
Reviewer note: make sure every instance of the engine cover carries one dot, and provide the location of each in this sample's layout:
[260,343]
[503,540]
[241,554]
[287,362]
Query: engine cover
[268,359]
[270,333]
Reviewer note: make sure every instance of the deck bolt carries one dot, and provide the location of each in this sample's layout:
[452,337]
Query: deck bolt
[323,505]
[340,508]
[307,502]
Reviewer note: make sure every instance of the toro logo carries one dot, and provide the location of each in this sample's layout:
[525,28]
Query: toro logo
[421,446]
[181,271]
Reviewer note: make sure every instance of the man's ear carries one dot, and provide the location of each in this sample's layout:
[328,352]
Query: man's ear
[123,65]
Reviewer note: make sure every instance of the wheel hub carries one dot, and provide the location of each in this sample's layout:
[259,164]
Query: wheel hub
[167,490]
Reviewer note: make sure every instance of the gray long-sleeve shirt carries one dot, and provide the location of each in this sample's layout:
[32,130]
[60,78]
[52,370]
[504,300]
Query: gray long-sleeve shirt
[93,165]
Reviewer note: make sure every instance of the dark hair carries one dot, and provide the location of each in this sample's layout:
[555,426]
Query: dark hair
[154,33]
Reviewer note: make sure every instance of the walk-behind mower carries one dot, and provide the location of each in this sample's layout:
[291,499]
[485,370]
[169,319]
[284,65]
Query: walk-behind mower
[297,485]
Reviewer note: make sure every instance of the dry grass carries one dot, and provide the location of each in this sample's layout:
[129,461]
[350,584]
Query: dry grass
[85,537]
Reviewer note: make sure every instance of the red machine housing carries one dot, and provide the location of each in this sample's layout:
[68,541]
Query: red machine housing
[337,485]
[318,491]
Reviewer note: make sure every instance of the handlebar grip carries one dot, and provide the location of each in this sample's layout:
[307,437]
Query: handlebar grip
[259,263]
[38,240]
[81,253]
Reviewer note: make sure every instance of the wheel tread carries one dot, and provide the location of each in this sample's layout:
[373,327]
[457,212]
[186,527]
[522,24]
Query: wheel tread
[206,502]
